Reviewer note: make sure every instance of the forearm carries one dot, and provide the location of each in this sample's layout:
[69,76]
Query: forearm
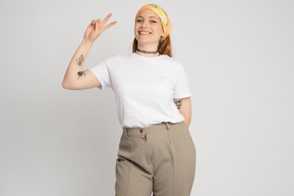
[76,65]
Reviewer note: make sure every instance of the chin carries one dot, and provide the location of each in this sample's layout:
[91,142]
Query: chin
[145,40]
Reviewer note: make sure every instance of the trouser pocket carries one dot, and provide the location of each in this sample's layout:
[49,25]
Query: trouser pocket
[125,147]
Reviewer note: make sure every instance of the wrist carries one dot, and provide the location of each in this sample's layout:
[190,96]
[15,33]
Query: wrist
[87,42]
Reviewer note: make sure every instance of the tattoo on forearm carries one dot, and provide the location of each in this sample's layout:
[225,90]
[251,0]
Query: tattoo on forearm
[80,60]
[80,73]
[178,103]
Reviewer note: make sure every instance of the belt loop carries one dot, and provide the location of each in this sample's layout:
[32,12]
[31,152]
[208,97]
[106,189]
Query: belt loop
[167,126]
[127,130]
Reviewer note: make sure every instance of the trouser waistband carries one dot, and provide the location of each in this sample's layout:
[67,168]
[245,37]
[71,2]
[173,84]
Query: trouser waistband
[156,127]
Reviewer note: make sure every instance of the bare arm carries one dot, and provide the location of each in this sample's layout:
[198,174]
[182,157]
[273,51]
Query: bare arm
[184,106]
[75,78]
[76,65]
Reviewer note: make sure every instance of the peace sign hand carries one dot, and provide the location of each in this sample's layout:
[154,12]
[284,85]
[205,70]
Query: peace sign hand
[95,29]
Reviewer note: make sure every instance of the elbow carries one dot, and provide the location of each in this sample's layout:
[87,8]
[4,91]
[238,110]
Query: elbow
[69,86]
[64,86]
[188,122]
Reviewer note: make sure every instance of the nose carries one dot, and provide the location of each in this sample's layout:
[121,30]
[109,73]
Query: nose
[144,23]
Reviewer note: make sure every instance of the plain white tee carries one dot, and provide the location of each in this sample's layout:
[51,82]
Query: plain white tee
[144,87]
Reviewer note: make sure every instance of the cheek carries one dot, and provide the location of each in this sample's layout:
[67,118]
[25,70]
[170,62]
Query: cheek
[159,27]
[137,26]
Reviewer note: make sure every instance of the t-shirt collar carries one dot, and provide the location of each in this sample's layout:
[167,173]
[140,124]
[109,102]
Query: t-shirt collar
[134,54]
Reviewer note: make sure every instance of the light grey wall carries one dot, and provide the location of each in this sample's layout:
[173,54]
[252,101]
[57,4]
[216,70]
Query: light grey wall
[239,59]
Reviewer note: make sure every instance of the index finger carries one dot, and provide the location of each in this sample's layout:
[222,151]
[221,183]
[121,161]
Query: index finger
[109,25]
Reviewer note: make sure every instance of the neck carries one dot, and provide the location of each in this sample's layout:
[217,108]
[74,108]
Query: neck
[147,51]
[148,55]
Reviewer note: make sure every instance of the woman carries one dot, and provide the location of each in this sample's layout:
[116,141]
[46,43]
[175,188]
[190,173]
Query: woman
[156,151]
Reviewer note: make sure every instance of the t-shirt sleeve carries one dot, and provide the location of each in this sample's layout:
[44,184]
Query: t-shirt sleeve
[102,71]
[182,88]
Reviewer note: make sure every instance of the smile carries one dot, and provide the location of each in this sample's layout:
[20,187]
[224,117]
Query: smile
[144,33]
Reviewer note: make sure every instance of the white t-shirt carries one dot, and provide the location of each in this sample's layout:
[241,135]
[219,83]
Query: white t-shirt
[144,87]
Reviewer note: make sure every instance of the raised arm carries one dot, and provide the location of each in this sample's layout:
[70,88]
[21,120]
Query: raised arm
[75,77]
[75,69]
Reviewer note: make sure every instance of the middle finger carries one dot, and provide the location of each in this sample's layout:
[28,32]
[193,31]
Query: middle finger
[106,19]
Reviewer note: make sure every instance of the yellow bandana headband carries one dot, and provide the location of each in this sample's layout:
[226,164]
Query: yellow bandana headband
[165,21]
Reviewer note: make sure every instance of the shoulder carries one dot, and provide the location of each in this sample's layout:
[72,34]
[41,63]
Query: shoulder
[171,59]
[123,56]
[174,62]
[117,56]
[120,57]
[114,59]
[108,60]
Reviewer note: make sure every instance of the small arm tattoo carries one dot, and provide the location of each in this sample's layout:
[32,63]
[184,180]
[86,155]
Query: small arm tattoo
[178,103]
[80,60]
[80,73]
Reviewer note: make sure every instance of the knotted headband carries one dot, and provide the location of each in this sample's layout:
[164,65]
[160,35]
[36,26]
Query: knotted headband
[165,21]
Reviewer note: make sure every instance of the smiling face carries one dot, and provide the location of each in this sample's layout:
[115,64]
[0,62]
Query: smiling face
[148,23]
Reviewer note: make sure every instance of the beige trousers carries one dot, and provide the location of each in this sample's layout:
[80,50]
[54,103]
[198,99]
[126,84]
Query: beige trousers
[160,158]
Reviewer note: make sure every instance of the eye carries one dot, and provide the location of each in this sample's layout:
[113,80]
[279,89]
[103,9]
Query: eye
[151,21]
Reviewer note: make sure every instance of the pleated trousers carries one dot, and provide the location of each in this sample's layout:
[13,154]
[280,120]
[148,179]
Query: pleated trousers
[158,159]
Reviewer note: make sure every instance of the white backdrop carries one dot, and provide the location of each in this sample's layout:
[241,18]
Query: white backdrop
[239,59]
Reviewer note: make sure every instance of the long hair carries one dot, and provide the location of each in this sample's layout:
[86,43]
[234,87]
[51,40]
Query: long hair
[164,47]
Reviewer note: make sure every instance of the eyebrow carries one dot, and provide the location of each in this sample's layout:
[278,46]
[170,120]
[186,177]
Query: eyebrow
[149,17]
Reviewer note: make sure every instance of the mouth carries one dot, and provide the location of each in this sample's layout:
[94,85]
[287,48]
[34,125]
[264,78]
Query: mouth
[144,33]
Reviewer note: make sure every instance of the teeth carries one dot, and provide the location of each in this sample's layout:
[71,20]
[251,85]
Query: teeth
[144,33]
